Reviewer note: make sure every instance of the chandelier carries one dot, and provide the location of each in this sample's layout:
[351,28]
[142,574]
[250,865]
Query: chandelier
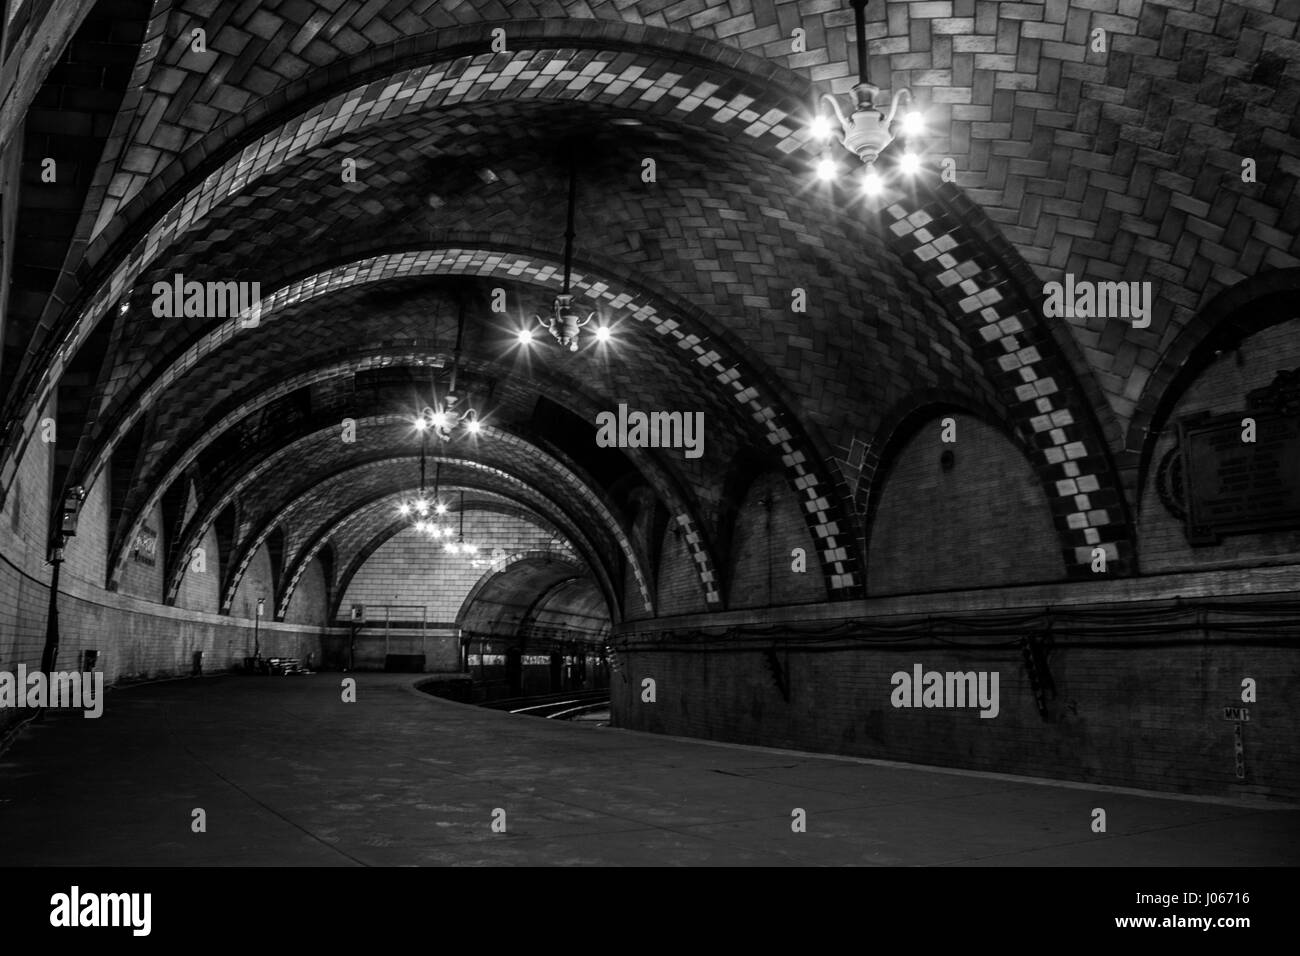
[565,321]
[459,546]
[867,132]
[453,416]
[448,420]
[423,511]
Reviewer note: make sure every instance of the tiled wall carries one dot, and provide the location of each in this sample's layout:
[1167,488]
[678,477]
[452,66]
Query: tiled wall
[410,569]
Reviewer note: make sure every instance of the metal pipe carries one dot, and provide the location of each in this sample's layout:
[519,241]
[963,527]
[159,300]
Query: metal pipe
[51,654]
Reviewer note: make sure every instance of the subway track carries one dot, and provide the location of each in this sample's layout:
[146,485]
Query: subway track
[554,706]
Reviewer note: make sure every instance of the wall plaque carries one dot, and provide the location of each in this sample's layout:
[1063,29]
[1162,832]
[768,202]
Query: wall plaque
[1219,484]
[146,546]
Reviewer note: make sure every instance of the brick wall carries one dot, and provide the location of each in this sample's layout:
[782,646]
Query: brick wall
[86,556]
[202,592]
[679,591]
[308,603]
[985,522]
[24,529]
[257,582]
[1127,717]
[135,637]
[1221,388]
[411,569]
[142,581]
[763,541]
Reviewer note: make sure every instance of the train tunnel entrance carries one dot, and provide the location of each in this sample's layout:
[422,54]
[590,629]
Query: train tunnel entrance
[531,624]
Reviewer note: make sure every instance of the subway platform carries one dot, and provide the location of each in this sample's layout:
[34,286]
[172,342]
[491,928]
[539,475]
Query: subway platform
[285,773]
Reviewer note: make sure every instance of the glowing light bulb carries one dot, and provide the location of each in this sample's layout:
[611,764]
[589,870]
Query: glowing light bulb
[910,164]
[820,127]
[421,424]
[872,184]
[421,507]
[439,420]
[449,547]
[524,336]
[826,169]
[473,426]
[913,123]
[441,509]
[403,509]
[602,333]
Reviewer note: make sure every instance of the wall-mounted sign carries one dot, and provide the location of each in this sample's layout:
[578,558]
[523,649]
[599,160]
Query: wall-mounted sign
[145,548]
[1237,713]
[1220,484]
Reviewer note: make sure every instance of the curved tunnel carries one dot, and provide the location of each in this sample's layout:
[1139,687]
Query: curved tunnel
[362,340]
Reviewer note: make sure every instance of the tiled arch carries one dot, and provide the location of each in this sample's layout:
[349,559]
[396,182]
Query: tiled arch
[799,457]
[840,563]
[507,562]
[643,81]
[701,554]
[559,472]
[362,542]
[285,515]
[557,571]
[127,410]
[1247,307]
[489,479]
[945,238]
[325,530]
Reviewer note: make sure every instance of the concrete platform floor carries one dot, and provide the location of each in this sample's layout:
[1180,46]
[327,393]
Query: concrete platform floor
[290,775]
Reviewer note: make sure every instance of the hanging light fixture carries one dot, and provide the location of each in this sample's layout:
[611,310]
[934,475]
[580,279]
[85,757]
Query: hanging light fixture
[565,321]
[430,522]
[453,416]
[867,131]
[422,510]
[459,546]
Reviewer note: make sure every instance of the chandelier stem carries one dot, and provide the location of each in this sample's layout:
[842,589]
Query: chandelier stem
[460,335]
[568,229]
[860,30]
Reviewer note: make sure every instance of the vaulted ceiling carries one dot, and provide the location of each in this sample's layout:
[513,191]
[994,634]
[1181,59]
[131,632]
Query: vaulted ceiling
[385,173]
